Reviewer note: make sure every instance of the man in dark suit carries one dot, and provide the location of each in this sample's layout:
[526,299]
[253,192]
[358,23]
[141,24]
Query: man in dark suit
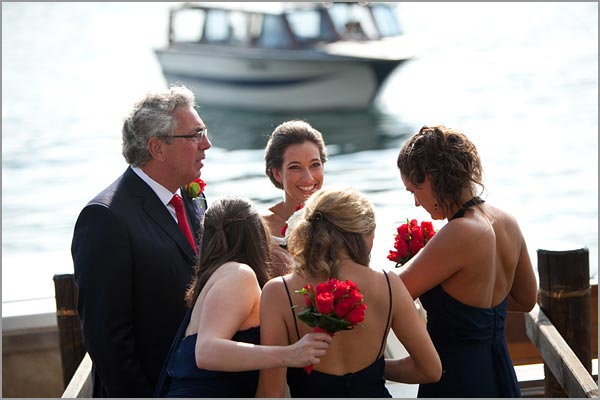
[132,261]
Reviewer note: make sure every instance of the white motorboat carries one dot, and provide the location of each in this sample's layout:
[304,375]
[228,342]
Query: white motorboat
[283,56]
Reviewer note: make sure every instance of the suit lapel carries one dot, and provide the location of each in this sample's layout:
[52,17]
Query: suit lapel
[195,209]
[157,211]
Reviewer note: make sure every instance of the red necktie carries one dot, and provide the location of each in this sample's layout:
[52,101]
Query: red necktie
[182,221]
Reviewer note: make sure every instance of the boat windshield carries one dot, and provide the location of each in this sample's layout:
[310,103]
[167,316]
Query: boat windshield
[298,27]
[357,21]
[311,26]
[386,20]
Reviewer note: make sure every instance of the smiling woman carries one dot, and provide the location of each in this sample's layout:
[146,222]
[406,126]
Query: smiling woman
[295,156]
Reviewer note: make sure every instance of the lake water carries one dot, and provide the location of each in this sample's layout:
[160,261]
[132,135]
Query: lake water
[521,79]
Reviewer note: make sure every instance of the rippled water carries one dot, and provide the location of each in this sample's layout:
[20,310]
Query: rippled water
[519,78]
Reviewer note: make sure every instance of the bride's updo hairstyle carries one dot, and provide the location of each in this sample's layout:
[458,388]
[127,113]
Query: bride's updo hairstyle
[450,160]
[333,222]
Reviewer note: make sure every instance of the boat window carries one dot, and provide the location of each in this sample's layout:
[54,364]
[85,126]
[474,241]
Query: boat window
[239,23]
[353,21]
[274,34]
[186,25]
[386,20]
[310,26]
[217,27]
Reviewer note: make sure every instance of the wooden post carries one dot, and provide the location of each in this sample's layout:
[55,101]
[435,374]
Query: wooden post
[72,349]
[564,297]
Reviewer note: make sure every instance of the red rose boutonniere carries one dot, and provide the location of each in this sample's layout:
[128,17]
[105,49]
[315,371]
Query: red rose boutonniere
[331,307]
[195,188]
[410,238]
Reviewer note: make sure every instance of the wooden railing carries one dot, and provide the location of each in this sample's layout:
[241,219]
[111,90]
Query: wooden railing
[559,325]
[565,347]
[570,373]
[80,385]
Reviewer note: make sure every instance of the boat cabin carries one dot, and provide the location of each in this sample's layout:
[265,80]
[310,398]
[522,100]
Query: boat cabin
[280,25]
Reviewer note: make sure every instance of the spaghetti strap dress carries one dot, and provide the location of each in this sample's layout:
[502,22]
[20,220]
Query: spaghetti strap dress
[471,344]
[182,378]
[368,382]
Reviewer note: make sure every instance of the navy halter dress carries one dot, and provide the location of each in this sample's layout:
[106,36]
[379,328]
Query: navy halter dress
[471,344]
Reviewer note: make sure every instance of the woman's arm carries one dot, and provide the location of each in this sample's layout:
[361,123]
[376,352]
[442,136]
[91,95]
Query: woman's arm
[439,259]
[232,304]
[423,363]
[523,293]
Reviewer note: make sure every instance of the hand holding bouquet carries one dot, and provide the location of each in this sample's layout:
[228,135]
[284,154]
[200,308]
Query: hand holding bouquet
[409,239]
[331,307]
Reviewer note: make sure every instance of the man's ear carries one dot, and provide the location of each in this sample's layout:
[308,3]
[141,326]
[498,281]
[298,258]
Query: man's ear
[156,148]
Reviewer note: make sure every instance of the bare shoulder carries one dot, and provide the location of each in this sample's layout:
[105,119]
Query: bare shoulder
[276,285]
[502,219]
[236,270]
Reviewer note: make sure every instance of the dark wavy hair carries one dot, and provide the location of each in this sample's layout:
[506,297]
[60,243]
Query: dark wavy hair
[285,135]
[448,158]
[232,231]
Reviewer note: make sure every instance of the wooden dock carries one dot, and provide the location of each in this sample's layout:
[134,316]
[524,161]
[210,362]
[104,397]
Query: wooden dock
[537,348]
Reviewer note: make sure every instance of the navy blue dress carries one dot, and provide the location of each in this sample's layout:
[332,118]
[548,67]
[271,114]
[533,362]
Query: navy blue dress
[182,378]
[368,382]
[471,344]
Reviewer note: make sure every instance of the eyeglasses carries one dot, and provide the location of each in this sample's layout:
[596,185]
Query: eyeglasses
[198,136]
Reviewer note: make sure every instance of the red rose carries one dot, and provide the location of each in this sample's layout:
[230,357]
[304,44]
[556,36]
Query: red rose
[416,234]
[402,248]
[351,284]
[355,295]
[195,188]
[356,314]
[325,287]
[427,228]
[307,290]
[343,307]
[324,303]
[403,232]
[340,290]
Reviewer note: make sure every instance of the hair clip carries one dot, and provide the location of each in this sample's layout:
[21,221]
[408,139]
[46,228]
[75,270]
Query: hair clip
[317,216]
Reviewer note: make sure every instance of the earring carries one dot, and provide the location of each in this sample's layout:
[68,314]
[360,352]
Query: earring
[435,206]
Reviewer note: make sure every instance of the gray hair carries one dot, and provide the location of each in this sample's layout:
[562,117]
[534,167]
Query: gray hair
[152,116]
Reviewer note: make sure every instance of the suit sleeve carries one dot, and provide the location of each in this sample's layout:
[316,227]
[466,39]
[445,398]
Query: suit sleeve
[104,275]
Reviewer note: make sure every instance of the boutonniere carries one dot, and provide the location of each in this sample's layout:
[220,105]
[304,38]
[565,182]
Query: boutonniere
[195,188]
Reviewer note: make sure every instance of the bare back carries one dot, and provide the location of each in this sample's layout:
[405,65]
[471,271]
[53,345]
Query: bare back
[477,259]
[367,341]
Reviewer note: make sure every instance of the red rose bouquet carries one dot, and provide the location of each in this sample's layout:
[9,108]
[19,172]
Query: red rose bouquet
[409,239]
[331,307]
[195,188]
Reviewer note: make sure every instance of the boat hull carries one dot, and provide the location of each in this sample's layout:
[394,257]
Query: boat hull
[282,81]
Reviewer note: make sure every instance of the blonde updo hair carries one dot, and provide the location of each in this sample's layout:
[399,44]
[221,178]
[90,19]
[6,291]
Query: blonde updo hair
[333,222]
